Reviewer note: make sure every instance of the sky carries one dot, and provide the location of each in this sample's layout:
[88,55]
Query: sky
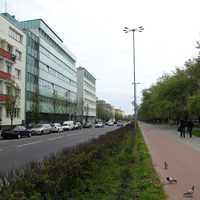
[92,30]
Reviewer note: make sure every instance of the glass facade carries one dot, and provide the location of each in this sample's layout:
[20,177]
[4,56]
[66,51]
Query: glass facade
[51,78]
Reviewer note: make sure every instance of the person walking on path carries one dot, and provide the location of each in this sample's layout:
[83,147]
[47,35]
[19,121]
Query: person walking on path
[190,127]
[182,127]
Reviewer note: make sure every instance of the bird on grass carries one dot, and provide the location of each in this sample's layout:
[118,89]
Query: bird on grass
[171,179]
[165,165]
[190,192]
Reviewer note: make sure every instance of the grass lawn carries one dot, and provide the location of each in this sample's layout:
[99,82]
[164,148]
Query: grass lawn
[196,132]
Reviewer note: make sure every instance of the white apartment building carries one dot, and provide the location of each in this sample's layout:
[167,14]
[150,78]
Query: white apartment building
[12,68]
[86,94]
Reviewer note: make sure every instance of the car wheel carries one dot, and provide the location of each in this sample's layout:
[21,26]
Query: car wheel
[41,133]
[18,136]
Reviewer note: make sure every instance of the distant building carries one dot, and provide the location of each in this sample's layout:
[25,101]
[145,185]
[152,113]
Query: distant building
[12,67]
[86,94]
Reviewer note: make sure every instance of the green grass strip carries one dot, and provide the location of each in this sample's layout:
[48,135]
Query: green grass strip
[196,132]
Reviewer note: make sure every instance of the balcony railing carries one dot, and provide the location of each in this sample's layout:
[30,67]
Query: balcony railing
[5,75]
[3,97]
[7,55]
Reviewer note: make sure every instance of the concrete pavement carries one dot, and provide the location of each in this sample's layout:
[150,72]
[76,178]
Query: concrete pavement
[182,156]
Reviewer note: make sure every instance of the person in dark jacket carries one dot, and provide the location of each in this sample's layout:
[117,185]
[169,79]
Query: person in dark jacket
[182,127]
[190,127]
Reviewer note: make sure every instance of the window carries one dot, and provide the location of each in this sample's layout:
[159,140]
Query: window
[18,74]
[10,48]
[15,35]
[8,67]
[8,90]
[18,55]
[17,112]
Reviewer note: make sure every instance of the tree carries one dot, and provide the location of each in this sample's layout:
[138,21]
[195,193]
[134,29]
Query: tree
[194,105]
[12,100]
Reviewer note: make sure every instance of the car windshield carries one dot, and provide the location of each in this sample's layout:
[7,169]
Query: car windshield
[18,128]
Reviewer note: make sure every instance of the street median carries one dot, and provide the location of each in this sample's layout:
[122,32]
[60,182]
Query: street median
[110,167]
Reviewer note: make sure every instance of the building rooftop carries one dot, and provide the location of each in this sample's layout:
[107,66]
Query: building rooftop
[39,19]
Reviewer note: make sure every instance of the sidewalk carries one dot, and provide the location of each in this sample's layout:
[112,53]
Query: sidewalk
[182,156]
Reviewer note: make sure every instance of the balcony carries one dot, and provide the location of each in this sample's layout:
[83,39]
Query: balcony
[7,55]
[3,97]
[5,75]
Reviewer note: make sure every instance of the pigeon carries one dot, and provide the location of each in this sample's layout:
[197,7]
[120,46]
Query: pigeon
[189,193]
[171,179]
[165,165]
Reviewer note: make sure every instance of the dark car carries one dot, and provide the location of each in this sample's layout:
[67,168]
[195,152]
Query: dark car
[17,132]
[87,125]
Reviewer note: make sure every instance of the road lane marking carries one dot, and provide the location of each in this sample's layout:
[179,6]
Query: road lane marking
[31,143]
[73,134]
[55,138]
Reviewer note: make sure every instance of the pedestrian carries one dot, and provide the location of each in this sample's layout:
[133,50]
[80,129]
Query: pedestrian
[190,127]
[181,128]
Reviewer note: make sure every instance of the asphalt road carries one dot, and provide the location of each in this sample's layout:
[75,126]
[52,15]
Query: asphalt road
[15,153]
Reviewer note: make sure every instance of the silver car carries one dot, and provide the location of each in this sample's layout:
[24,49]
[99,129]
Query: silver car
[56,127]
[41,129]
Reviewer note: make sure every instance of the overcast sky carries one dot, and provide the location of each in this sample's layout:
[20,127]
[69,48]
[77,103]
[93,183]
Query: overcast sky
[92,30]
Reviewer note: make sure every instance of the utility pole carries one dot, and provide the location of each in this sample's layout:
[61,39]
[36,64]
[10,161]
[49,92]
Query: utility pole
[126,30]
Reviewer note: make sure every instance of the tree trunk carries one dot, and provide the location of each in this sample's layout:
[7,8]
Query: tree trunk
[11,119]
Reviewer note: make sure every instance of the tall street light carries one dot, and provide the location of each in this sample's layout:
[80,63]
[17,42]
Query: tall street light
[127,30]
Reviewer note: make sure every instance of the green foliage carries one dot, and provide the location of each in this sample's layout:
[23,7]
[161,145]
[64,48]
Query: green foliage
[174,96]
[106,168]
[196,132]
[194,105]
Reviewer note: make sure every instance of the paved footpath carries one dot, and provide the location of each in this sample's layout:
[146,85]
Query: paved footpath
[182,156]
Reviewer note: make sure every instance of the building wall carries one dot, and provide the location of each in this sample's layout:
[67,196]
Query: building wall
[86,93]
[57,75]
[10,35]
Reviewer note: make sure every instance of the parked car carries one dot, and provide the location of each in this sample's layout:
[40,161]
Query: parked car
[41,129]
[87,125]
[120,124]
[110,123]
[77,125]
[56,127]
[68,125]
[99,125]
[17,132]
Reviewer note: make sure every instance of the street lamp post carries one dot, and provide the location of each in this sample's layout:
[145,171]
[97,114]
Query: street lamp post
[126,30]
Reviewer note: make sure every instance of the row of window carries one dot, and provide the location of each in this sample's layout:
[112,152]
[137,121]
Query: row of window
[55,45]
[49,57]
[90,102]
[17,72]
[15,35]
[86,84]
[56,74]
[89,77]
[88,93]
[49,100]
[16,113]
